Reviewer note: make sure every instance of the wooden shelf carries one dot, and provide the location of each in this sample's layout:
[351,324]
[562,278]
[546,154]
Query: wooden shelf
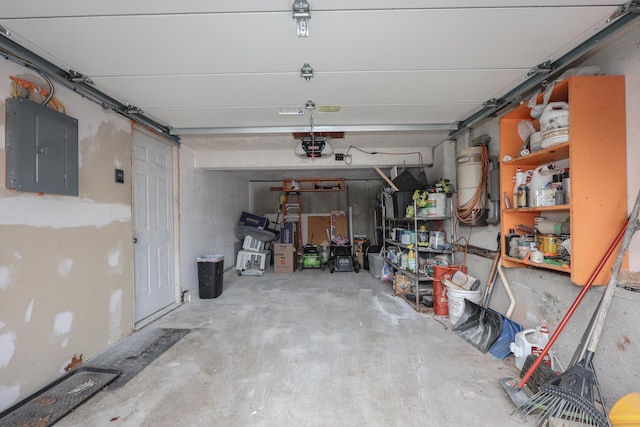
[597,137]
[511,262]
[313,184]
[546,155]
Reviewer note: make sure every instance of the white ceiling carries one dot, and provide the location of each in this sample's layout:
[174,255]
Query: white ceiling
[229,65]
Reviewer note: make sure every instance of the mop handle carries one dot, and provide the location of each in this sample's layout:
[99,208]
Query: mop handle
[573,307]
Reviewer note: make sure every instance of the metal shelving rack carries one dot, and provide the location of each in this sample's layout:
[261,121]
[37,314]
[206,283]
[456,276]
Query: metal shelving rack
[417,276]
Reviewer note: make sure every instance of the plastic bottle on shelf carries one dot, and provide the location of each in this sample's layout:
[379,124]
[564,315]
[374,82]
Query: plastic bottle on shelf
[517,180]
[411,260]
[566,185]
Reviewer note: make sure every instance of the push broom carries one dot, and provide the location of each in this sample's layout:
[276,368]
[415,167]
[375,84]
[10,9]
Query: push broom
[515,389]
[574,397]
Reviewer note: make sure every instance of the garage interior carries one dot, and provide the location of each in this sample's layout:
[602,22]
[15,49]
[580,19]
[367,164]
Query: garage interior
[181,122]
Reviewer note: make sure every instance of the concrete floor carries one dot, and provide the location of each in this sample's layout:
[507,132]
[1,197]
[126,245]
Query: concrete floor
[309,349]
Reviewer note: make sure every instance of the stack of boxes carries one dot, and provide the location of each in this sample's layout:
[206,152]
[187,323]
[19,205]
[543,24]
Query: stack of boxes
[285,257]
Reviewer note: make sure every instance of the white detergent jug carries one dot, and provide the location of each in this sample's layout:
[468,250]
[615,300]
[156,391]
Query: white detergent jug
[554,124]
[531,341]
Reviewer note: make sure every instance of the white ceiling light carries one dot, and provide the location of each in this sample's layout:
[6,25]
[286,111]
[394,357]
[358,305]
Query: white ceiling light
[302,15]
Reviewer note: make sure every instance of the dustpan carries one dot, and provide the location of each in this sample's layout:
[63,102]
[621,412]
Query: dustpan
[479,325]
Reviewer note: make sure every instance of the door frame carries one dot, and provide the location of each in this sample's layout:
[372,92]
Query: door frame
[175,180]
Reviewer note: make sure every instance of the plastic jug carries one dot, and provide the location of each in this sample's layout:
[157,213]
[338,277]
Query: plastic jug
[411,261]
[530,341]
[554,124]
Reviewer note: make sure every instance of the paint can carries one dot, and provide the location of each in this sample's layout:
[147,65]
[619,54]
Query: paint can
[548,244]
[423,236]
[456,301]
[436,205]
[440,273]
[436,240]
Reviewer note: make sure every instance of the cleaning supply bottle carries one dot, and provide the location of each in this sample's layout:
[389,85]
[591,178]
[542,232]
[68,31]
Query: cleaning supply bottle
[411,260]
[531,341]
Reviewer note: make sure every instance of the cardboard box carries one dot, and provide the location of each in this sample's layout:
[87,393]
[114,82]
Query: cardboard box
[253,220]
[288,232]
[318,228]
[285,258]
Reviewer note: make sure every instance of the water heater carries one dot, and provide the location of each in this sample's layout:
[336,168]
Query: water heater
[472,165]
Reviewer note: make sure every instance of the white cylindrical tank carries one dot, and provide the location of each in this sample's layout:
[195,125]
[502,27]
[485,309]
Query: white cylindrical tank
[469,177]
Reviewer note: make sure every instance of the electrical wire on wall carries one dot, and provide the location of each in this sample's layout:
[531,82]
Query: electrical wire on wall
[471,210]
[22,88]
[348,159]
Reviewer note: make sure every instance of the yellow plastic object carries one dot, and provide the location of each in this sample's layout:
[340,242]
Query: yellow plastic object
[626,411]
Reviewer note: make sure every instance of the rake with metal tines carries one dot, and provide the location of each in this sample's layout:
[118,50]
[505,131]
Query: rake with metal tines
[574,398]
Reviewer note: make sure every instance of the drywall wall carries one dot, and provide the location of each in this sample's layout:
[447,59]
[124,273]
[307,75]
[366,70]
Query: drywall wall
[543,297]
[66,263]
[210,209]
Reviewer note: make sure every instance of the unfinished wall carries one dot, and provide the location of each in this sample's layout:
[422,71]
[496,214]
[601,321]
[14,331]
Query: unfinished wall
[66,263]
[360,195]
[543,297]
[209,211]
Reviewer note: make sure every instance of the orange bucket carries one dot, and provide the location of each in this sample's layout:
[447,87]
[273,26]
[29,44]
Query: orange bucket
[441,273]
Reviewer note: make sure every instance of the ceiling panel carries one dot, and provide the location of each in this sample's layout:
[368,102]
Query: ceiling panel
[201,64]
[144,45]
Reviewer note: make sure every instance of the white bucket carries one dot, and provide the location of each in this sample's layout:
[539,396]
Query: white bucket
[554,124]
[456,302]
[436,204]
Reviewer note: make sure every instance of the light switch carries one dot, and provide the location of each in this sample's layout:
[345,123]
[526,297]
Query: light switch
[119,176]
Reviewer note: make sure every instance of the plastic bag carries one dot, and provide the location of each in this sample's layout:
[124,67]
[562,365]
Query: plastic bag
[387,273]
[537,109]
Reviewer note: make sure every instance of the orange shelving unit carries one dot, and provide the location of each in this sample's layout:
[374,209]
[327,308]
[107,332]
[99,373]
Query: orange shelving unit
[596,152]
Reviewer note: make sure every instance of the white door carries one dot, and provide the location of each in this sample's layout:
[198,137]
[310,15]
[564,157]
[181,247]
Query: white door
[153,225]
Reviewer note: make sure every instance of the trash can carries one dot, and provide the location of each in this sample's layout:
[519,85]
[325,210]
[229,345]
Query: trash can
[210,269]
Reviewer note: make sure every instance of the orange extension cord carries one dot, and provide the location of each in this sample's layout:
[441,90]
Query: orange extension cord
[33,88]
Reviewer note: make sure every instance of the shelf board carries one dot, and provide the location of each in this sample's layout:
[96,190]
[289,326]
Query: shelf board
[420,248]
[538,209]
[419,218]
[543,265]
[546,155]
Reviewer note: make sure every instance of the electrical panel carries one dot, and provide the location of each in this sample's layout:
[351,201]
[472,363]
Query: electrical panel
[41,148]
